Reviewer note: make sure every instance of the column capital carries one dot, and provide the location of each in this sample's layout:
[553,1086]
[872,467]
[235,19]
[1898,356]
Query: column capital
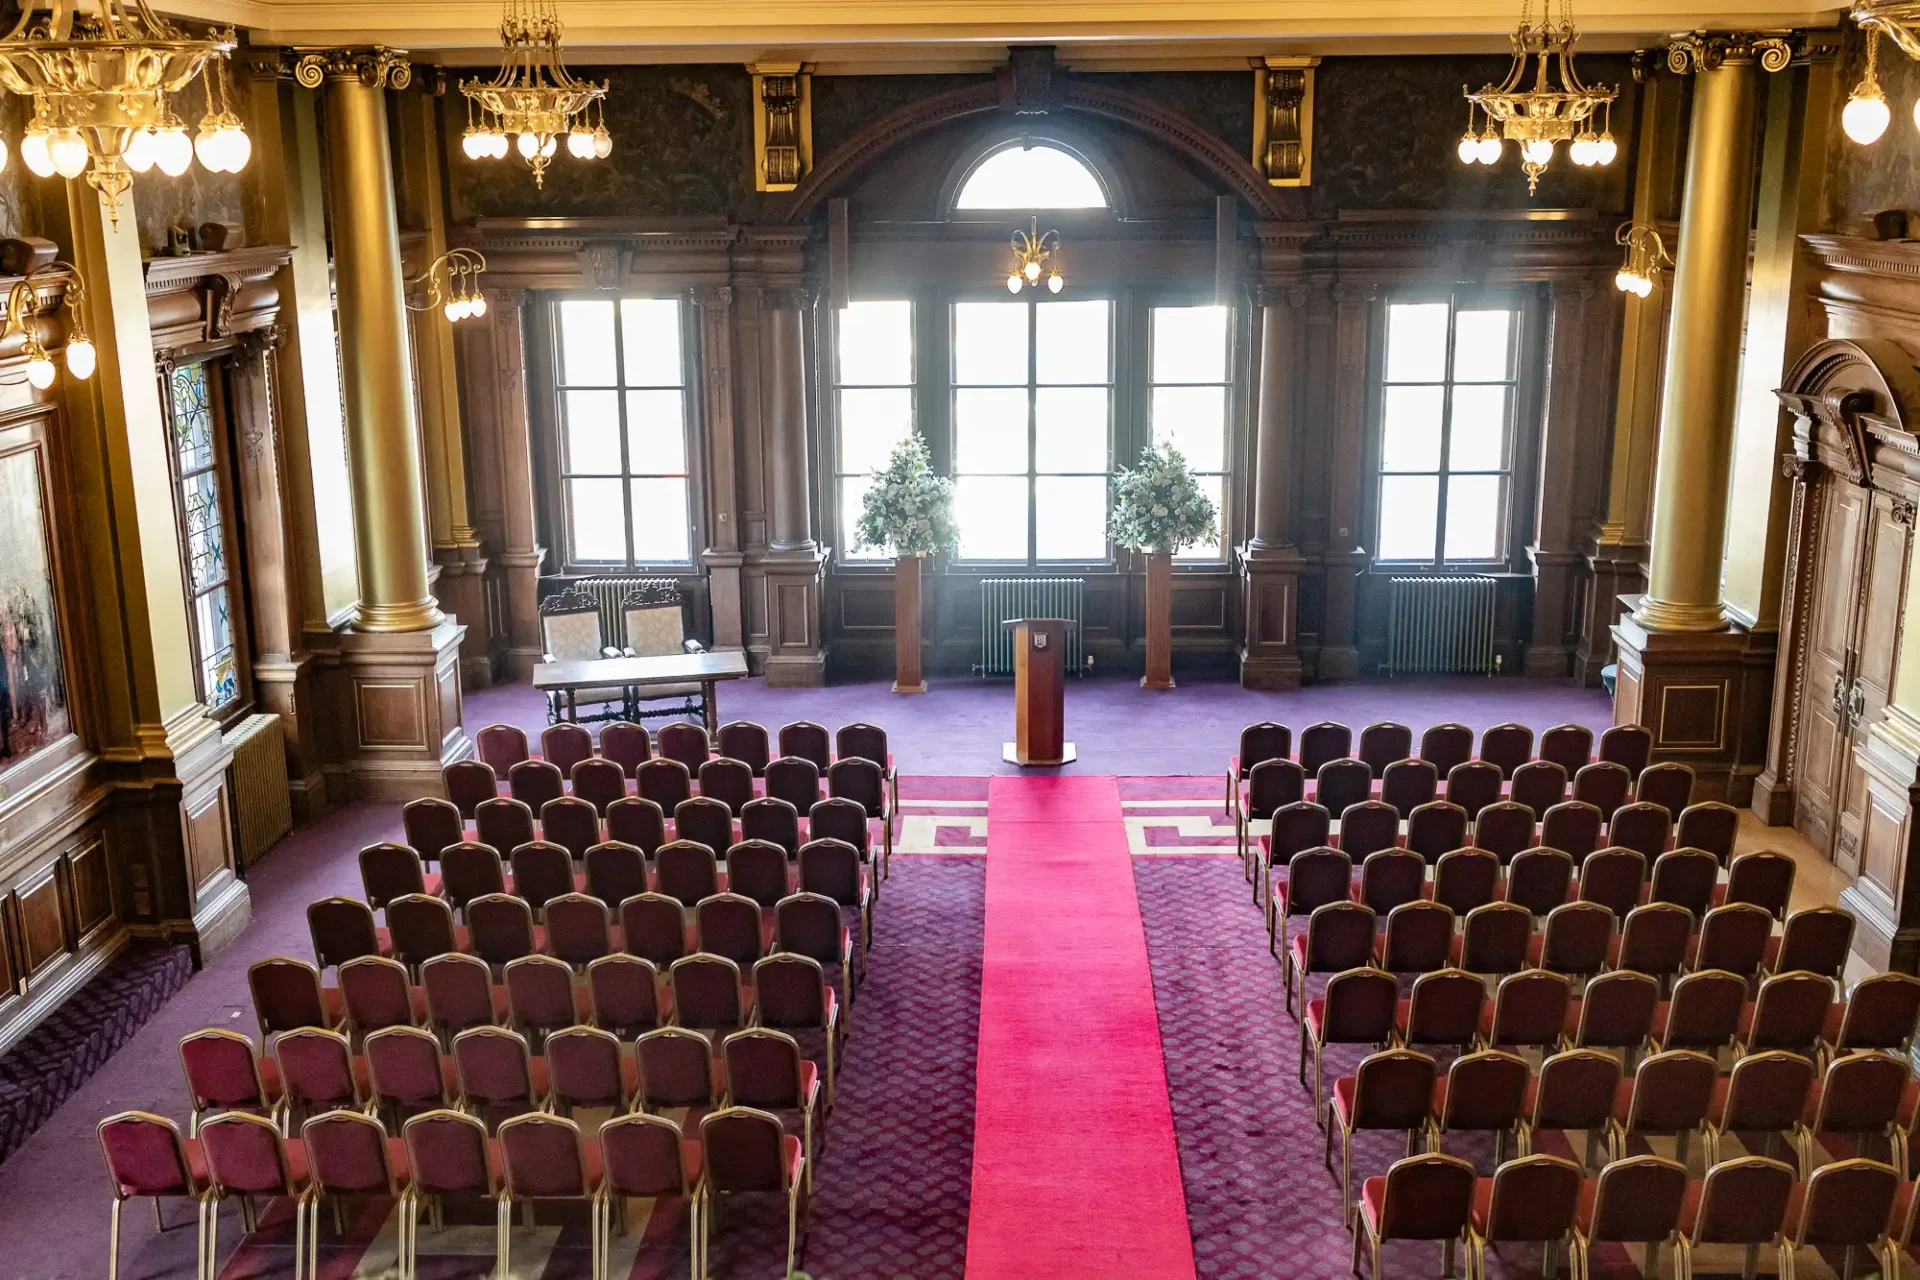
[1290,294]
[376,66]
[713,297]
[1695,51]
[785,298]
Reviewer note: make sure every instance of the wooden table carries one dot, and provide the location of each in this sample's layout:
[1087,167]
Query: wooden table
[704,669]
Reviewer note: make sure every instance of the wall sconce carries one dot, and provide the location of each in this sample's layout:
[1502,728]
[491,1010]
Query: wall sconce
[1032,251]
[452,285]
[80,353]
[1645,254]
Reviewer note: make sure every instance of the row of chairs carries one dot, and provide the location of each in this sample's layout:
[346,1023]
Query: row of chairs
[444,1153]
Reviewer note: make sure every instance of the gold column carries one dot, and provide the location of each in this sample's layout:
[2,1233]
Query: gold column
[382,436]
[1703,362]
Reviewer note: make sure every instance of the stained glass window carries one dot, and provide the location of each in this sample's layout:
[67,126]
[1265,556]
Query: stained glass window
[204,530]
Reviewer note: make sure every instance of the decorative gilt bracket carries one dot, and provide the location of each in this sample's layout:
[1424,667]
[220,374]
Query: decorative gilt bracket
[1899,19]
[1283,120]
[782,124]
[377,67]
[1694,51]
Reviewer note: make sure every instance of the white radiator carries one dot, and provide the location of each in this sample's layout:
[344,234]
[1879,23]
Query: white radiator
[1441,623]
[1004,599]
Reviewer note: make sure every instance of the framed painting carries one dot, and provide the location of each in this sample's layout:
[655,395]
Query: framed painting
[34,710]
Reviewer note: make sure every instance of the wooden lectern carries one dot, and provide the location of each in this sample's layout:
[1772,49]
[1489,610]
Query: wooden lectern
[1039,692]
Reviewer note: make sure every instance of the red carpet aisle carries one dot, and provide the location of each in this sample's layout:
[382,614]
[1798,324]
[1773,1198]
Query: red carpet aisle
[1074,1167]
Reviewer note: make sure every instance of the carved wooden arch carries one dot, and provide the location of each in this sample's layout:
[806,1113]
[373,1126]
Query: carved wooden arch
[1860,390]
[1143,115]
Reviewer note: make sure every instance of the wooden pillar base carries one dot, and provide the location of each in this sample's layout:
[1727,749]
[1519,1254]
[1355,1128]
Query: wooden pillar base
[403,692]
[1614,569]
[794,582]
[1706,697]
[1270,593]
[462,592]
[1549,654]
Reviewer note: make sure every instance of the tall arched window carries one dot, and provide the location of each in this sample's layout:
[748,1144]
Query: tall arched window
[1038,176]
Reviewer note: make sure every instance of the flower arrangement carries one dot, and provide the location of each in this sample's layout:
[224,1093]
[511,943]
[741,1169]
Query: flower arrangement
[909,509]
[1158,506]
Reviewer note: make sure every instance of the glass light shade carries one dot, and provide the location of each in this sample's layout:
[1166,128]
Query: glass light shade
[68,150]
[1031,270]
[81,358]
[40,371]
[548,147]
[239,148]
[34,152]
[501,146]
[206,146]
[141,151]
[602,143]
[1056,282]
[1624,280]
[1013,283]
[1916,113]
[528,144]
[1605,150]
[477,305]
[1469,149]
[455,312]
[1490,147]
[1866,115]
[173,151]
[1537,151]
[1577,150]
[580,144]
[1643,286]
[473,143]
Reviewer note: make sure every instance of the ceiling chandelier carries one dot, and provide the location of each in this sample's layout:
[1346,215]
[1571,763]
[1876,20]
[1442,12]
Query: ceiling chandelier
[1867,115]
[100,73]
[451,283]
[534,96]
[1033,254]
[1541,102]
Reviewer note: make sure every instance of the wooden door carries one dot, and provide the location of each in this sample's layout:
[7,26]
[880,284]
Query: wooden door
[1882,601]
[1824,723]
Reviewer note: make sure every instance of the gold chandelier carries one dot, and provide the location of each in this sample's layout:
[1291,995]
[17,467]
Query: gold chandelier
[1541,102]
[534,96]
[1867,115]
[451,283]
[100,73]
[1033,251]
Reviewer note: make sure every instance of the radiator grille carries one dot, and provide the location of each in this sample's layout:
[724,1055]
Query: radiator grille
[257,781]
[1440,624]
[1003,599]
[608,592]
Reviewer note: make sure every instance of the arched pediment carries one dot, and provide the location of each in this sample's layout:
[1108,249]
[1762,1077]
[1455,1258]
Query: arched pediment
[1853,392]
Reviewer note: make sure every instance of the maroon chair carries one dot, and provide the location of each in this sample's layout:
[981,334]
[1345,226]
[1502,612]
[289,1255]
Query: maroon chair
[624,992]
[831,868]
[1539,785]
[645,1156]
[1408,784]
[1507,745]
[502,746]
[627,744]
[1258,744]
[1741,1202]
[584,1069]
[348,1154]
[654,927]
[1273,785]
[795,780]
[729,925]
[1538,879]
[728,781]
[1732,938]
[1573,1089]
[615,872]
[686,871]
[1416,938]
[1436,828]
[1845,1206]
[807,740]
[865,783]
[1612,877]
[1859,1098]
[389,871]
[1392,1091]
[1685,877]
[677,1069]
[1473,785]
[541,873]
[1789,1013]
[808,924]
[1880,1013]
[431,825]
[319,1072]
[1653,940]
[224,1072]
[1357,1008]
[758,869]
[1529,1011]
[460,994]
[599,782]
[1319,743]
[499,1079]
[1339,936]
[571,823]
[147,1158]
[1762,878]
[1315,877]
[1708,825]
[859,741]
[1627,745]
[1296,828]
[1369,826]
[790,993]
[1703,1012]
[342,929]
[1465,878]
[545,1157]
[1568,745]
[1443,1009]
[1427,1197]
[1484,1092]
[840,818]
[376,993]
[1446,745]
[746,1151]
[708,994]
[246,1158]
[448,1154]
[1390,877]
[1604,784]
[1494,939]
[706,821]
[407,1074]
[684,742]
[1503,829]
[1817,939]
[774,821]
[1341,782]
[1634,1201]
[1573,827]
[665,782]
[468,871]
[1616,1011]
[534,782]
[578,930]
[502,929]
[468,783]
[1642,827]
[1766,1093]
[505,823]
[1668,784]
[748,743]
[639,822]
[1575,940]
[565,745]
[1384,743]
[763,1068]
[1670,1093]
[286,995]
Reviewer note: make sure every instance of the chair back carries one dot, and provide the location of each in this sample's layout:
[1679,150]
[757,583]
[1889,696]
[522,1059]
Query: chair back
[676,1068]
[404,1069]
[747,1150]
[1504,828]
[1341,782]
[501,926]
[1339,936]
[1685,877]
[347,1155]
[1627,745]
[627,744]
[1538,878]
[764,1069]
[145,1155]
[1790,1012]
[1641,826]
[1384,743]
[1847,1204]
[505,823]
[839,818]
[246,1156]
[1391,877]
[1297,827]
[542,1157]
[342,930]
[1734,937]
[459,992]
[625,991]
[1575,1090]
[1817,939]
[1743,1201]
[685,742]
[1393,1089]
[1704,1012]
[571,823]
[654,618]
[644,1155]
[1568,745]
[794,779]
[1494,939]
[502,745]
[687,871]
[1368,826]
[1638,1200]
[1426,1197]
[420,927]
[831,868]
[757,869]
[706,992]
[790,991]
[1616,1011]
[808,924]
[665,781]
[1672,1092]
[639,822]
[1408,784]
[1417,938]
[654,927]
[1473,785]
[1534,1198]
[704,820]
[468,782]
[807,740]
[1604,784]
[1653,939]
[861,781]
[616,871]
[1573,827]
[316,1069]
[564,745]
[773,821]
[1359,1007]
[534,782]
[494,1066]
[1319,743]
[1668,784]
[1612,877]
[583,1068]
[1861,1093]
[470,870]
[431,824]
[375,992]
[578,930]
[747,742]
[1445,1007]
[1530,1009]
[1273,784]
[1485,1091]
[1435,828]
[1317,878]
[1708,825]
[447,1154]
[1539,785]
[1576,939]
[1262,742]
[862,742]
[286,994]
[1507,746]
[728,925]
[389,871]
[540,995]
[542,871]
[1767,1092]
[1447,745]
[222,1070]
[729,781]
[1764,879]
[1882,1010]
[1464,879]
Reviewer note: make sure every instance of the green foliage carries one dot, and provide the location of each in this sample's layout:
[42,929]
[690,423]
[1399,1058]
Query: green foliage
[1158,506]
[909,509]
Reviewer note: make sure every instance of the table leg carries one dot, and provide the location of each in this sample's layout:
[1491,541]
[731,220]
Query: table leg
[707,700]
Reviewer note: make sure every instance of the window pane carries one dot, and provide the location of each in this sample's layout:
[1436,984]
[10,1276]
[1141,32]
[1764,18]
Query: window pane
[1031,178]
[206,535]
[591,441]
[213,618]
[650,331]
[990,343]
[992,514]
[1194,421]
[1417,342]
[1483,346]
[586,344]
[876,344]
[660,521]
[872,422]
[1409,511]
[1410,432]
[1213,487]
[1190,344]
[1072,340]
[1479,439]
[656,433]
[1071,517]
[596,519]
[853,490]
[1476,508]
[1070,429]
[192,418]
[990,431]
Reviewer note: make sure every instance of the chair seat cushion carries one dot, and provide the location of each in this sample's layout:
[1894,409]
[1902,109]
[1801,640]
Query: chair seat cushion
[1343,1098]
[1298,945]
[1373,1200]
[1316,1018]
[1483,1202]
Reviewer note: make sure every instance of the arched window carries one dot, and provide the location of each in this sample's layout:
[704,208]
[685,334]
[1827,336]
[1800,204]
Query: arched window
[1038,176]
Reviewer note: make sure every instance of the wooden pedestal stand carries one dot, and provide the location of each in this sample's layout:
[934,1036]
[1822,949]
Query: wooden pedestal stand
[1040,692]
[907,580]
[1159,622]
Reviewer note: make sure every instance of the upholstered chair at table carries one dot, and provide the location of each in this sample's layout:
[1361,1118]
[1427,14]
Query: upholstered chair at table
[1573,1089]
[1762,878]
[1634,1201]
[1627,745]
[377,993]
[578,929]
[1258,743]
[625,995]
[1573,827]
[687,871]
[747,742]
[809,741]
[389,871]
[1473,785]
[1817,939]
[1342,781]
[1482,1092]
[1880,1013]
[565,745]
[706,821]
[1426,1197]
[646,1157]
[1506,746]
[287,994]
[468,783]
[224,1072]
[654,617]
[541,997]
[1539,785]
[1613,878]
[1464,879]
[1504,828]
[407,1073]
[1408,784]
[1338,937]
[763,1068]
[744,1151]
[1709,825]
[729,925]
[616,871]
[1444,1009]
[1367,827]
[571,823]
[545,1157]
[534,782]
[728,781]
[1529,1011]
[542,871]
[1568,745]
[343,929]
[758,869]
[147,1158]
[1494,939]
[431,824]
[774,821]
[1604,784]
[1789,1012]
[499,1078]
[570,631]
[1390,877]
[1538,879]
[677,1069]
[1672,1095]
[422,927]
[1653,940]
[502,746]
[248,1159]
[708,993]
[585,1069]
[1574,943]
[663,781]
[639,822]
[1293,829]
[1703,1012]
[808,924]
[1530,1200]
[1685,877]
[1446,745]
[654,927]
[348,1154]
[1742,1202]
[1356,1008]
[1416,938]
[461,994]
[1436,828]
[448,1155]
[1616,1011]
[627,744]
[686,742]
[1384,743]
[504,824]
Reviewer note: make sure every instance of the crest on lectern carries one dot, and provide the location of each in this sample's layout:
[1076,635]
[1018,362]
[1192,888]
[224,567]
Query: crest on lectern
[1039,639]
